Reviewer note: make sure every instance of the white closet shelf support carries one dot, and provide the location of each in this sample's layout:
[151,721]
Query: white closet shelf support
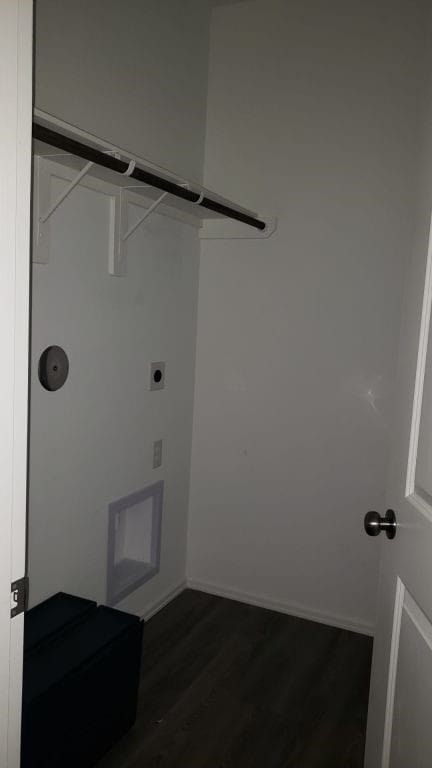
[114,172]
[65,193]
[145,216]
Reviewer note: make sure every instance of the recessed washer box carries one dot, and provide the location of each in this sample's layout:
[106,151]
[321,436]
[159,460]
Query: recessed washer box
[134,541]
[157,375]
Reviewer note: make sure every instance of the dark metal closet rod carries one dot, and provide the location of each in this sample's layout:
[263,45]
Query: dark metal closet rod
[120,166]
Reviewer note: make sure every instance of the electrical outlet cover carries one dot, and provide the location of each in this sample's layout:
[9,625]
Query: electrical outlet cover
[157,454]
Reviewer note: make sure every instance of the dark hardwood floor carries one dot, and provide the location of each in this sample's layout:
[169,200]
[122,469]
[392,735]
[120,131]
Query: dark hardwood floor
[228,685]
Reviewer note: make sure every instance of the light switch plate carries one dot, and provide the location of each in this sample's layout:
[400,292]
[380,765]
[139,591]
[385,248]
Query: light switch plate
[157,454]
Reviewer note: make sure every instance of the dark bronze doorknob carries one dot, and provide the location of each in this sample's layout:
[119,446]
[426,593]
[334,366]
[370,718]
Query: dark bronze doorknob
[374,524]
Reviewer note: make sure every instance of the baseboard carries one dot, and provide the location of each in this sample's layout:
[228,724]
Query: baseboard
[163,600]
[293,609]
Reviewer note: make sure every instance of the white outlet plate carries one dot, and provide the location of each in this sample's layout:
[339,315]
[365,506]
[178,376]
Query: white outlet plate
[157,454]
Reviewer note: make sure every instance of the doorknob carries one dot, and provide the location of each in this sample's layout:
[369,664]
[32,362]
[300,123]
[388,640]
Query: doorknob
[374,524]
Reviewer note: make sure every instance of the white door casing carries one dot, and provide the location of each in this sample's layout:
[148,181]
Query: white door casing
[399,732]
[15,163]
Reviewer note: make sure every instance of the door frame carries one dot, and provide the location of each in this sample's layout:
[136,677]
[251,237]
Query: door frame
[16,46]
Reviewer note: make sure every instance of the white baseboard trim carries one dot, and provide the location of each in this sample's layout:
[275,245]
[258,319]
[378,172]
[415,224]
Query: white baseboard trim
[293,609]
[162,601]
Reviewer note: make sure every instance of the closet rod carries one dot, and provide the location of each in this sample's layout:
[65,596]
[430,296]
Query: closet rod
[73,147]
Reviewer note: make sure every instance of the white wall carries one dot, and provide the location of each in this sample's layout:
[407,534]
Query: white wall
[132,72]
[91,441]
[135,74]
[311,117]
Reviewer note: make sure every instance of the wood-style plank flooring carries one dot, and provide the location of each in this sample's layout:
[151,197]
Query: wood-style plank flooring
[228,685]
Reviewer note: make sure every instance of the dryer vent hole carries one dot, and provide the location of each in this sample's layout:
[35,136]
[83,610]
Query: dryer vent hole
[53,368]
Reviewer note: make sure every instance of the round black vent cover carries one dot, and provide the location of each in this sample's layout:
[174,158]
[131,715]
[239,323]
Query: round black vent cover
[53,368]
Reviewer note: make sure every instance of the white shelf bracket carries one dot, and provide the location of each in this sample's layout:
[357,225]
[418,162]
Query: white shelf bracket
[145,216]
[66,192]
[119,231]
[44,209]
[41,199]
[117,252]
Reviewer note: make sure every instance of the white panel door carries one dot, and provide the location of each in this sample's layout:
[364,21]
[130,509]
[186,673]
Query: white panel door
[15,165]
[400,705]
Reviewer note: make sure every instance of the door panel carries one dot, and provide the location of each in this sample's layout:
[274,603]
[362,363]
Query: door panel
[411,739]
[422,457]
[399,734]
